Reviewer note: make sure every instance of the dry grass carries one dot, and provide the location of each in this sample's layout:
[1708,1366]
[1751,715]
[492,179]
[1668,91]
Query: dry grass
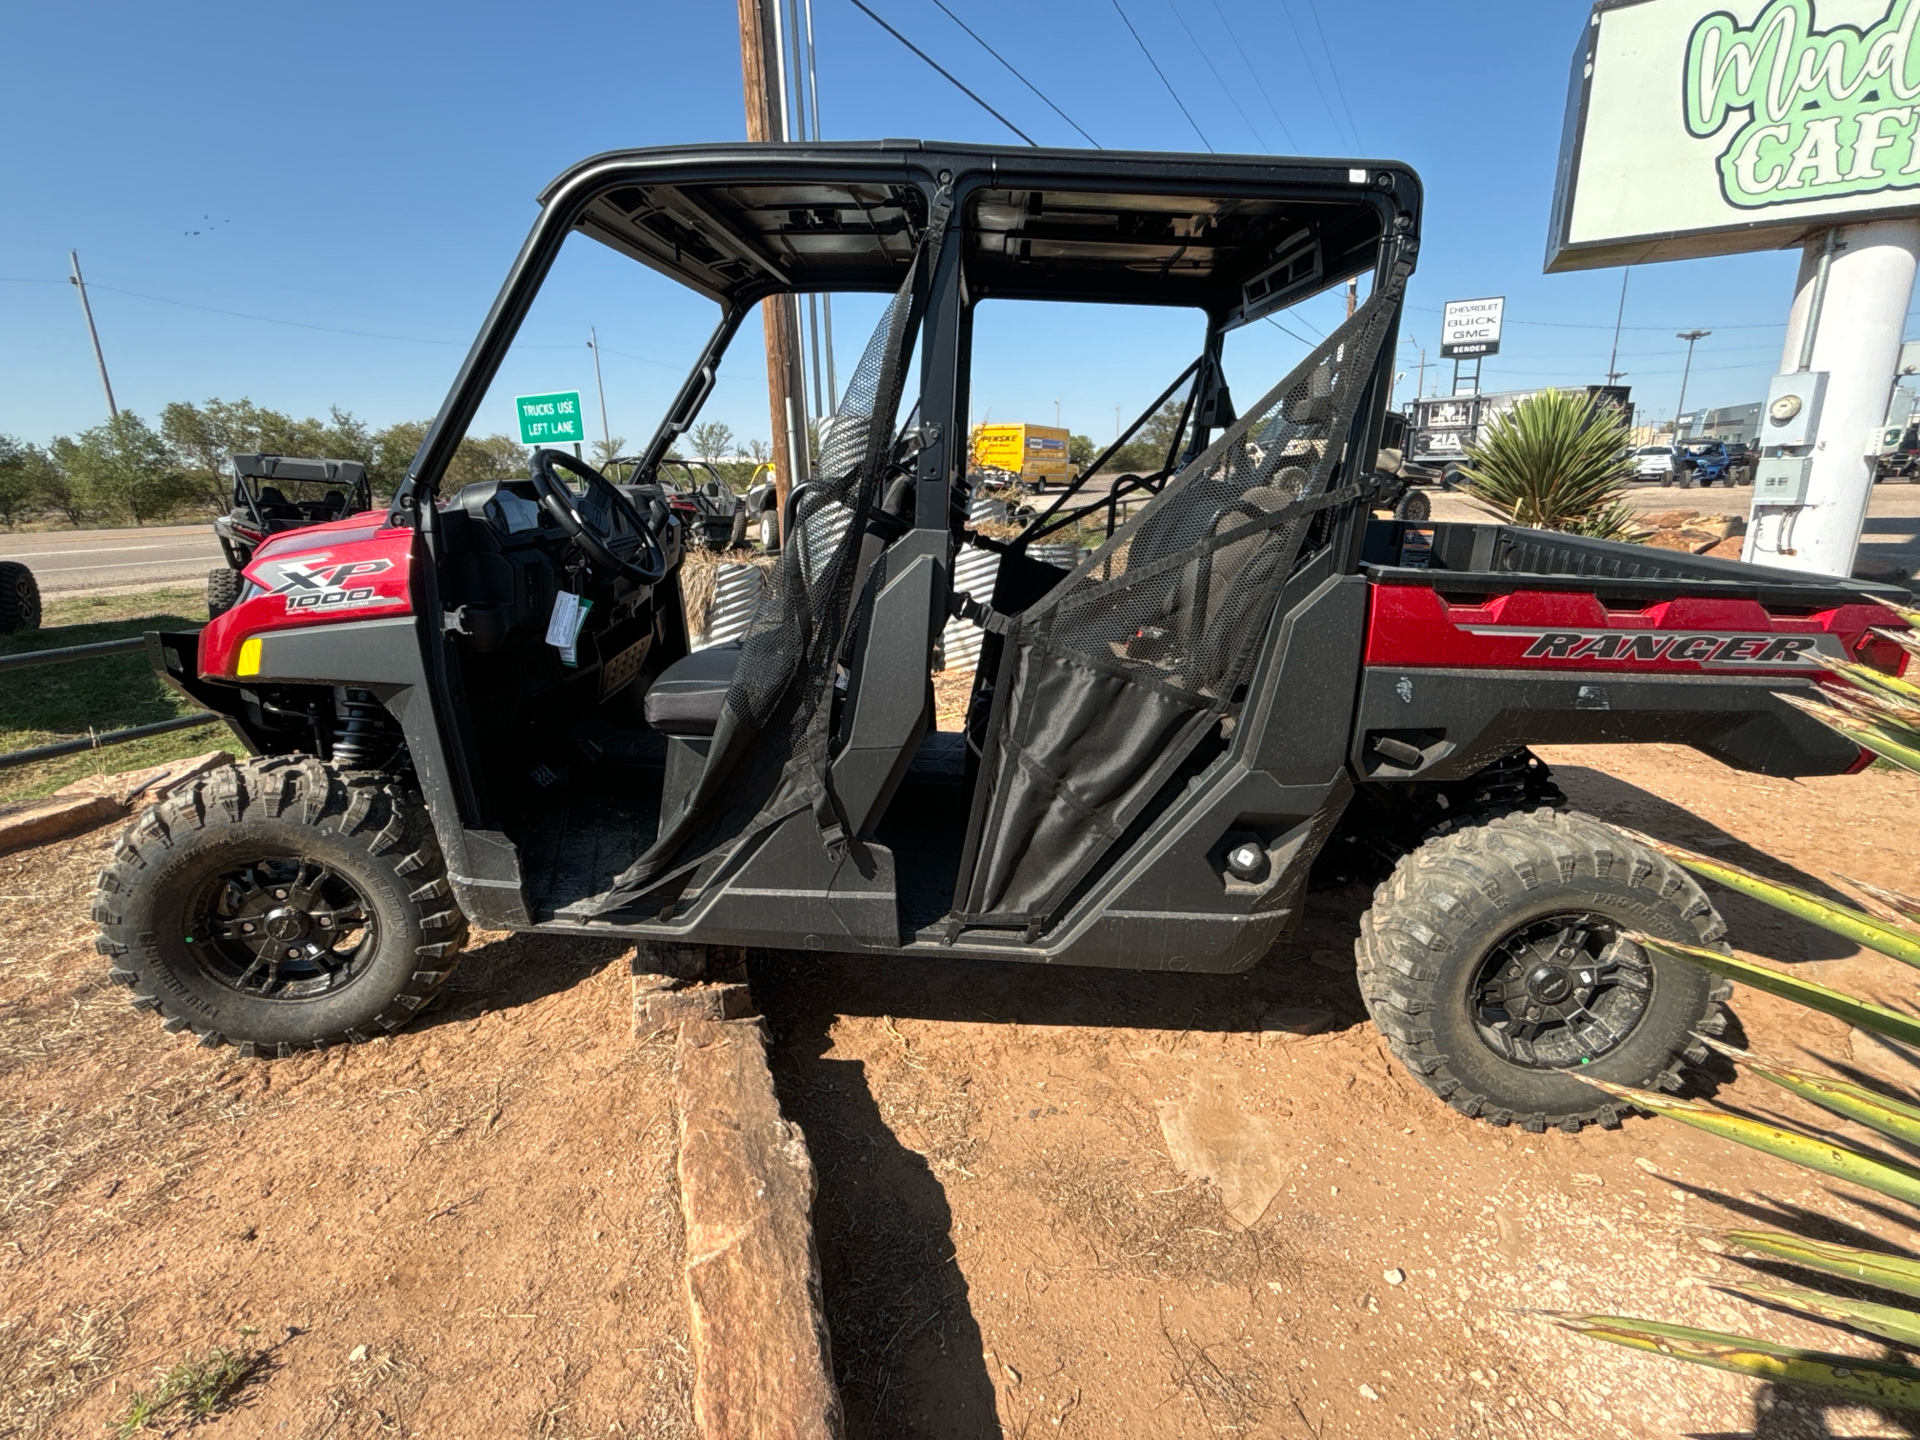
[378,1390]
[1228,1388]
[43,1372]
[1138,1216]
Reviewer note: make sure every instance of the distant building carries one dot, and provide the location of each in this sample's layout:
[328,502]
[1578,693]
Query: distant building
[1730,422]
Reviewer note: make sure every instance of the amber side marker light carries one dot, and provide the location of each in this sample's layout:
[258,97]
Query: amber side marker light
[249,661]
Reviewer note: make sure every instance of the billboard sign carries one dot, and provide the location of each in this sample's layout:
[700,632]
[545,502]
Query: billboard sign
[1712,127]
[1472,327]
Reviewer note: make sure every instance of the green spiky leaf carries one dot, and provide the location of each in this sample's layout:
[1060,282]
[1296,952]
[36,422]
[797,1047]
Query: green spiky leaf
[1555,461]
[1889,1322]
[1882,1176]
[1862,1013]
[1847,1262]
[1902,748]
[1899,903]
[1900,692]
[1869,1382]
[1898,941]
[1892,1118]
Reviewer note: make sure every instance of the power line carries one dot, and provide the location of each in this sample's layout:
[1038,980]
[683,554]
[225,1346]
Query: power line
[945,73]
[1018,76]
[1333,73]
[1158,71]
[1233,35]
[1284,331]
[1306,63]
[270,320]
[1258,138]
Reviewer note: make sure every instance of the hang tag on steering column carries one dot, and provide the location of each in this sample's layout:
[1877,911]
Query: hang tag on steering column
[563,627]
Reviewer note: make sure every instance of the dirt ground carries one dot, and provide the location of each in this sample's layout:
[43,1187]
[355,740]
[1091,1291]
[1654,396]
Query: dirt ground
[1008,1250]
[485,1203]
[469,1230]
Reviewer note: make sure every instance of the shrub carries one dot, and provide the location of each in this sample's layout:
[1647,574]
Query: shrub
[1555,461]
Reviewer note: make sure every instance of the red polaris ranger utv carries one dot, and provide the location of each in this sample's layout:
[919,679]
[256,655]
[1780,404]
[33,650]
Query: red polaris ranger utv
[481,707]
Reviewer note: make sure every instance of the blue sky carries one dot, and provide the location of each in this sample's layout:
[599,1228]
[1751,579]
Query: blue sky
[313,205]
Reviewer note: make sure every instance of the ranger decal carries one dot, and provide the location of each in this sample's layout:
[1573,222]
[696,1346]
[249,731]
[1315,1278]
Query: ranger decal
[1719,649]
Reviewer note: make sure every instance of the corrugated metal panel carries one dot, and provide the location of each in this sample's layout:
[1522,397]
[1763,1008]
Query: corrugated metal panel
[736,594]
[973,574]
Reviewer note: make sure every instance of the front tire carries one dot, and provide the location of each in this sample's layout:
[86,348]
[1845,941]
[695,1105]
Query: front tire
[280,905]
[223,591]
[19,598]
[1494,964]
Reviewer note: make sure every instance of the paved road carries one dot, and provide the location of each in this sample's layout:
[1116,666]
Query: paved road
[67,561]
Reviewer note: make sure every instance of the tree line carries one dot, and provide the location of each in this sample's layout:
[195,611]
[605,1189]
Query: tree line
[132,471]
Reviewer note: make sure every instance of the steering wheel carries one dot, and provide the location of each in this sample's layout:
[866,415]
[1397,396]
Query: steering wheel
[559,502]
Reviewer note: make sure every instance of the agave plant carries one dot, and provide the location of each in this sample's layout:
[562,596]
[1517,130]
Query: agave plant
[1557,461]
[1882,713]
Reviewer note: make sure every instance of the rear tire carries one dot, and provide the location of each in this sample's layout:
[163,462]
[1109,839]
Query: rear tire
[19,598]
[289,847]
[223,591]
[1414,508]
[1486,917]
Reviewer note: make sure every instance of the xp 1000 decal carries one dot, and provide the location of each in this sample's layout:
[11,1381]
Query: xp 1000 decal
[317,582]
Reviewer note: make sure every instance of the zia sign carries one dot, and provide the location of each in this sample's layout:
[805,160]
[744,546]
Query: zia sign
[1701,130]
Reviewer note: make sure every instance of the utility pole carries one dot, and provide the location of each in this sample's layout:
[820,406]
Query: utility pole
[606,434]
[1692,337]
[1613,360]
[761,67]
[1353,294]
[73,257]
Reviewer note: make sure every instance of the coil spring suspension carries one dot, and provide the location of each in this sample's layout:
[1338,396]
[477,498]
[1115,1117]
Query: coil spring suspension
[1521,778]
[365,739]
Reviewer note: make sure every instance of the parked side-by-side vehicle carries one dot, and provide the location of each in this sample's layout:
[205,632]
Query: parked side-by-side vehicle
[479,707]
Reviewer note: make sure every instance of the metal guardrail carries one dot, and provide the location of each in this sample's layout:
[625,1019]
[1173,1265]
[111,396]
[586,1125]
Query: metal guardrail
[70,653]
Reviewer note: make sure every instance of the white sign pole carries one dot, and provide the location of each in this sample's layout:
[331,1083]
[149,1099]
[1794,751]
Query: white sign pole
[1857,342]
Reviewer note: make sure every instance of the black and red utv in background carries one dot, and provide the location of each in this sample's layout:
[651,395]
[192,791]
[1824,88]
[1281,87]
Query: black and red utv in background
[273,494]
[481,706]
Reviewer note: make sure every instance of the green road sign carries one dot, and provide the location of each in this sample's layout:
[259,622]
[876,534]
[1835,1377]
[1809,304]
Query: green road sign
[550,419]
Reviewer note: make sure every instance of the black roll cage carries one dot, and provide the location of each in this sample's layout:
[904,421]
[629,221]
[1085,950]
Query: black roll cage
[1377,202]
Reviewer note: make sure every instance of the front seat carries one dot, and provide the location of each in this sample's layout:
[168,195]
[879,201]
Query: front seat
[690,693]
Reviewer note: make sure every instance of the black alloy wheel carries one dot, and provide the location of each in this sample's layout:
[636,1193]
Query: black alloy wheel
[281,928]
[1560,991]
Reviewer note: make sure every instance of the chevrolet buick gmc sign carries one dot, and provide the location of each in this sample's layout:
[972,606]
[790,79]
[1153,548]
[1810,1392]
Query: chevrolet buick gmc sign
[1695,128]
[1472,327]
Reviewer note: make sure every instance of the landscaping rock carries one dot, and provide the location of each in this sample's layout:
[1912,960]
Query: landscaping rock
[1281,1023]
[53,817]
[1211,1137]
[141,788]
[762,1359]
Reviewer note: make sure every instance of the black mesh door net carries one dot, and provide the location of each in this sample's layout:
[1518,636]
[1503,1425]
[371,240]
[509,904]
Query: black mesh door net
[1107,683]
[769,753]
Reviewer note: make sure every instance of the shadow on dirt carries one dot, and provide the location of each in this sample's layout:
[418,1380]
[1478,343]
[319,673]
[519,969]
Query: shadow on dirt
[1755,928]
[516,970]
[906,1347]
[1782,1412]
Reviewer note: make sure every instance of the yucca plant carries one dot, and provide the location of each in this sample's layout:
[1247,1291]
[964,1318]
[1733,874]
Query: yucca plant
[1557,461]
[1882,713]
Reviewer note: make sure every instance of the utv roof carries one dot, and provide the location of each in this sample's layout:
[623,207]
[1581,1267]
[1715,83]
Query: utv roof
[1235,235]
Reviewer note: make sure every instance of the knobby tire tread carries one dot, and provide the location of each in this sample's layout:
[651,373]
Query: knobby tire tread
[1437,892]
[392,826]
